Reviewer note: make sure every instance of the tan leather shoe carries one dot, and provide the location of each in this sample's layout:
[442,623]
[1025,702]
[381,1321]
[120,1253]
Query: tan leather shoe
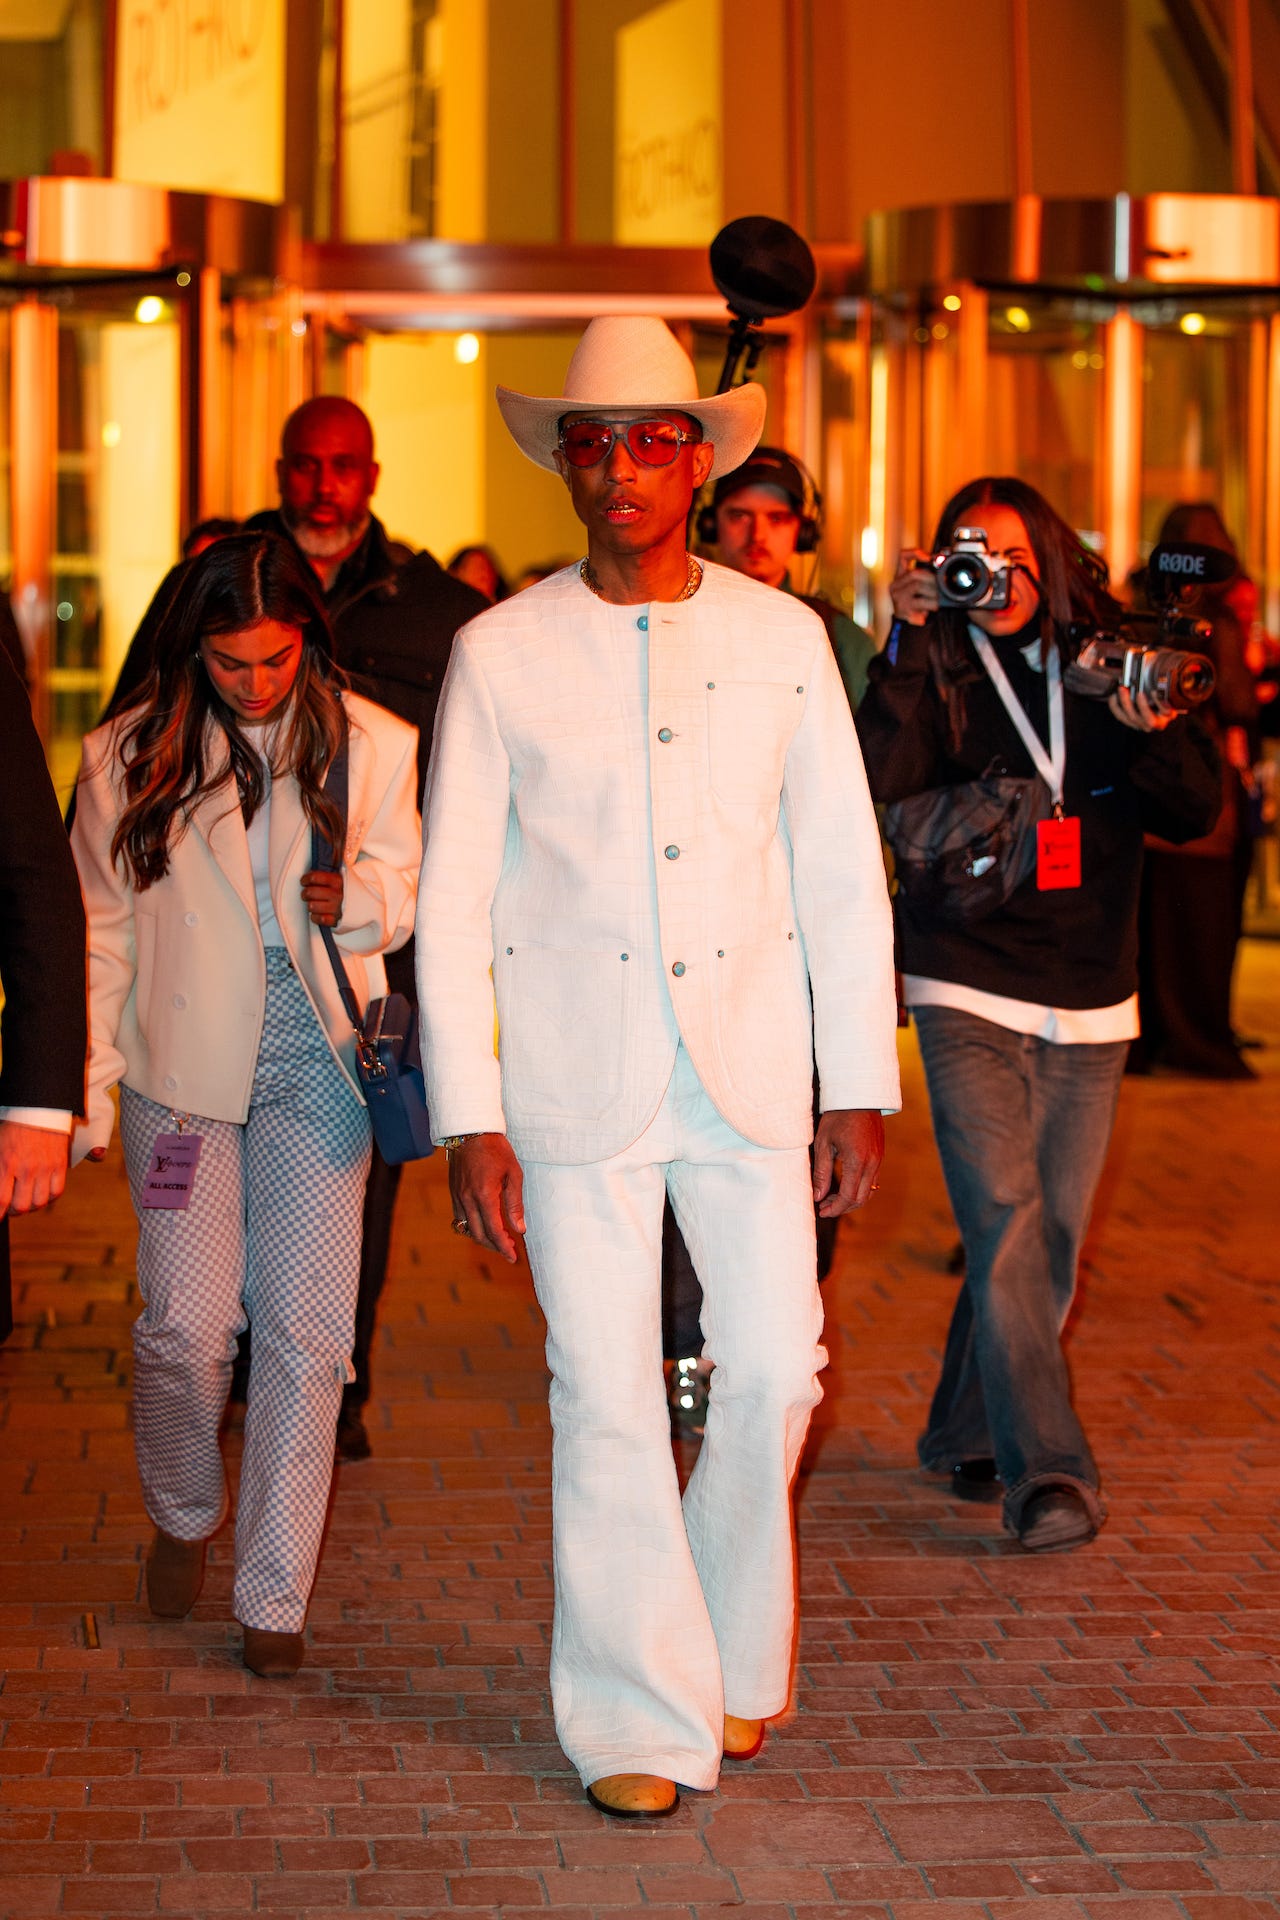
[175,1575]
[743,1739]
[634,1796]
[274,1655]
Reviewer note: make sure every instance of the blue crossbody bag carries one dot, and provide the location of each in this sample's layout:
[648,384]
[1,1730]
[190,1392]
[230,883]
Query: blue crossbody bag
[388,1051]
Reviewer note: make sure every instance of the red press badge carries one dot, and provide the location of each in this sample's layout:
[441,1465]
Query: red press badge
[172,1172]
[1058,853]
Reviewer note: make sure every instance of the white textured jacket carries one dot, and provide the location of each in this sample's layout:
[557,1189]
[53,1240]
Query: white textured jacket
[177,973]
[653,824]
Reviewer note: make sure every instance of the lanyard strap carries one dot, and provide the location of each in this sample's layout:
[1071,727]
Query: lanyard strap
[1051,766]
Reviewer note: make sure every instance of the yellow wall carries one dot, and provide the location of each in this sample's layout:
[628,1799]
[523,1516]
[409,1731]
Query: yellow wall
[451,473]
[426,409]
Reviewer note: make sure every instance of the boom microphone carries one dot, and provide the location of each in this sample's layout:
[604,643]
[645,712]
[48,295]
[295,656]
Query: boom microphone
[1171,570]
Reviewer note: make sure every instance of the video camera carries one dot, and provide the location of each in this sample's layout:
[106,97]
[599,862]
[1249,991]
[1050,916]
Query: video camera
[1171,679]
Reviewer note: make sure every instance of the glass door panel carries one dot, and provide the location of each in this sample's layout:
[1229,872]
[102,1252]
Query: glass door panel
[1044,400]
[1205,392]
[116,500]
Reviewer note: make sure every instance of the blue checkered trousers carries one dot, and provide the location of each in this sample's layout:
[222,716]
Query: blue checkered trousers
[272,1235]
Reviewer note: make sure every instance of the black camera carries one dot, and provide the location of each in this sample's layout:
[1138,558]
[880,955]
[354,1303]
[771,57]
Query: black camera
[1172,680]
[968,575]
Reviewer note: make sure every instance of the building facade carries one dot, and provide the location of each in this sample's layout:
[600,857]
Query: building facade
[1044,228]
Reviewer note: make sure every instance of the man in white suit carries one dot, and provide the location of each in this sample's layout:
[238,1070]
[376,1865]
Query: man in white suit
[647,815]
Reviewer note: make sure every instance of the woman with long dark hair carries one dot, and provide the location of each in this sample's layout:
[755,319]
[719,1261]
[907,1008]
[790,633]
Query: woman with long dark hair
[1025,1010]
[213,1005]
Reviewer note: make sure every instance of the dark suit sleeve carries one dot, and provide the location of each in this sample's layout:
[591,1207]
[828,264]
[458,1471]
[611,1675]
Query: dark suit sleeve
[43,1037]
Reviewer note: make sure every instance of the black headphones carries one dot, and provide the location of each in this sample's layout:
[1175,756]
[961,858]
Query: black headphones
[768,467]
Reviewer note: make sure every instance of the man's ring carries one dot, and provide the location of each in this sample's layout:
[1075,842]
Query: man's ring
[460,1226]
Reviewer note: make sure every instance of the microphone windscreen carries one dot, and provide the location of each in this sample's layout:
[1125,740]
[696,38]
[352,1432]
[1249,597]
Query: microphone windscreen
[1171,568]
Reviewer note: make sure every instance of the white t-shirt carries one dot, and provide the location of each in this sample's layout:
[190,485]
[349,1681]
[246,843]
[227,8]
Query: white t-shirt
[1067,1026]
[259,834]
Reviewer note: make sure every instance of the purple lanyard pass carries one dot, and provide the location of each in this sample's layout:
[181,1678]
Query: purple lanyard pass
[172,1173]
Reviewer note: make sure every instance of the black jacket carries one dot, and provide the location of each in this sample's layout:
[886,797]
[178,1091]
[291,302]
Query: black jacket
[44,1037]
[1073,947]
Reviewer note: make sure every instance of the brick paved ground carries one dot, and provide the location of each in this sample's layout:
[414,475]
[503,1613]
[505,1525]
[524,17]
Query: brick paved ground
[977,1731]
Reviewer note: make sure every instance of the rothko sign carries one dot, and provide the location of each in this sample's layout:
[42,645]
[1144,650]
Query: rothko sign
[199,95]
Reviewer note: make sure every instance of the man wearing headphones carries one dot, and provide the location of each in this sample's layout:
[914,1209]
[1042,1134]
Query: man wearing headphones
[759,518]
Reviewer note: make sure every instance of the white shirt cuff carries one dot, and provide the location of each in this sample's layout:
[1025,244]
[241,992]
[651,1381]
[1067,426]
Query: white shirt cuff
[50,1119]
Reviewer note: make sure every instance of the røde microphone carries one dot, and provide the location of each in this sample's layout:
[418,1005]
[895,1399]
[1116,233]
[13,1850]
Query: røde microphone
[1171,570]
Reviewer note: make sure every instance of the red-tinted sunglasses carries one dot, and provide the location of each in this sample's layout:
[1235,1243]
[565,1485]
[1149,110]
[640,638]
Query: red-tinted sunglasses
[654,443]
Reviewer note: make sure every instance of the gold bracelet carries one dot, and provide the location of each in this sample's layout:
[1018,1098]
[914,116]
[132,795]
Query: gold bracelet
[455,1140]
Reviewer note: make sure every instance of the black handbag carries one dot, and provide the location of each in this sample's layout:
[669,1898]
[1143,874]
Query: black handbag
[388,1050]
[960,852]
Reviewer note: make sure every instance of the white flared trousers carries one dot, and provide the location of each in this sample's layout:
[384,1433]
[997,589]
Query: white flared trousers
[668,1613]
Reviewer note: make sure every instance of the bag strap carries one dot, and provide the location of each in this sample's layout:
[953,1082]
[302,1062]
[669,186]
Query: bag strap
[1051,766]
[327,858]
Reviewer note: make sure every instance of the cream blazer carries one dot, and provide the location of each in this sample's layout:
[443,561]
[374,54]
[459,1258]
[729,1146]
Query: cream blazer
[177,973]
[651,834]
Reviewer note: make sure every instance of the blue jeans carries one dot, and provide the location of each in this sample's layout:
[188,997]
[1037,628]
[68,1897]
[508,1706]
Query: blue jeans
[1022,1127]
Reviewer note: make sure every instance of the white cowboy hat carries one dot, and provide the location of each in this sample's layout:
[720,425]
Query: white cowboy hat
[633,364]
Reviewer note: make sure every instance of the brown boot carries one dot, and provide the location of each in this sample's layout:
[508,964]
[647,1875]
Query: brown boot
[634,1796]
[175,1575]
[743,1739]
[274,1655]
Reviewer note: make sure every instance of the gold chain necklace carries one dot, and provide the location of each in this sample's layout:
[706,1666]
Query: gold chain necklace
[692,581]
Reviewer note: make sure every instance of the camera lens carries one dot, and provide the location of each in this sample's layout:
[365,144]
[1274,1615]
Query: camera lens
[1175,681]
[964,579]
[1192,683]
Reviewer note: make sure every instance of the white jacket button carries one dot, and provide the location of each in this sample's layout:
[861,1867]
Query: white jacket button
[170,1082]
[192,919]
[179,1000]
[672,853]
[678,968]
[664,734]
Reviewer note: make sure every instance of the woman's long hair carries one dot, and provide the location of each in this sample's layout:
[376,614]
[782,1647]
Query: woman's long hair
[1073,583]
[178,738]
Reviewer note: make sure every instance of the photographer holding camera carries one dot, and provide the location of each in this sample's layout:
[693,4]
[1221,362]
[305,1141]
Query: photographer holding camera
[1017,807]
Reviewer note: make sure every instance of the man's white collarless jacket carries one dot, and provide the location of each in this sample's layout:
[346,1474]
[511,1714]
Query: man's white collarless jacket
[652,824]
